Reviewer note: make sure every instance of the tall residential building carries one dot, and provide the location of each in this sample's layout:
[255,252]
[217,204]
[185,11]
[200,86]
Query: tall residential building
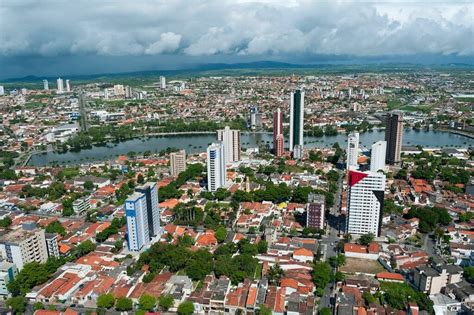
[137,221]
[216,167]
[52,244]
[177,162]
[377,156]
[60,85]
[68,86]
[45,85]
[352,151]
[162,82]
[394,137]
[278,138]
[150,190]
[231,140]
[296,118]
[24,245]
[255,118]
[2,90]
[119,90]
[128,92]
[365,203]
[315,211]
[8,272]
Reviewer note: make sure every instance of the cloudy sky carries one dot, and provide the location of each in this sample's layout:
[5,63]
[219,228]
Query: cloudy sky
[46,37]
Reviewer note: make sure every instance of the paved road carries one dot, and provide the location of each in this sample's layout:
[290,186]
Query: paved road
[329,243]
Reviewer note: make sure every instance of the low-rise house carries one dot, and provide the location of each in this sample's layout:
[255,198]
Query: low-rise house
[371,252]
[432,279]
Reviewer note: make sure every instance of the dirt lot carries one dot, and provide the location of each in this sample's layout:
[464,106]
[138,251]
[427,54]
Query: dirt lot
[354,265]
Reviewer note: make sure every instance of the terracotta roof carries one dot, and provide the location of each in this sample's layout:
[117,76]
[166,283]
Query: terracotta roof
[390,276]
[303,252]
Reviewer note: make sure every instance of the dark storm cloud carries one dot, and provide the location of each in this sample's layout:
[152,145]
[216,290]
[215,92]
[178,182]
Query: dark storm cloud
[240,28]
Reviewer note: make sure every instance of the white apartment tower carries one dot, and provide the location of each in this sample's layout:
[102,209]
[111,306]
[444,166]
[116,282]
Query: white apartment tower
[60,85]
[45,85]
[177,162]
[296,118]
[162,82]
[150,190]
[137,221]
[377,156]
[352,151]
[231,140]
[365,203]
[216,168]
[24,245]
[68,86]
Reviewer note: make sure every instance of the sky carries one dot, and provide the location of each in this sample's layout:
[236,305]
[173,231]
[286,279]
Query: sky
[60,37]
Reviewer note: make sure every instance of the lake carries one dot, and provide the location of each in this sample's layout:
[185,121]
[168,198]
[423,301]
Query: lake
[199,143]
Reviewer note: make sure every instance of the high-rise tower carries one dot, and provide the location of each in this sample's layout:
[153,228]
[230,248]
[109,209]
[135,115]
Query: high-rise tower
[352,151]
[394,137]
[231,140]
[377,156]
[216,168]
[296,118]
[365,203]
[278,138]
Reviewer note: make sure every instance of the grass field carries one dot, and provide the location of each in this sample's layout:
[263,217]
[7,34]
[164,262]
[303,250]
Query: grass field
[357,265]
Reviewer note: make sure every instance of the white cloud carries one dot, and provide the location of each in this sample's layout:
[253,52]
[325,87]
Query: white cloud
[168,43]
[226,27]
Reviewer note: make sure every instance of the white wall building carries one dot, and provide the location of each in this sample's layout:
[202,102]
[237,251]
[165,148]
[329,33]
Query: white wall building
[365,201]
[68,86]
[60,85]
[352,151]
[45,85]
[137,222]
[2,90]
[162,82]
[377,156]
[150,191]
[8,272]
[216,168]
[231,140]
[24,245]
[177,162]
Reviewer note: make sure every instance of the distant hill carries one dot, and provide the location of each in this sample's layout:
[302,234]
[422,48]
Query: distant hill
[251,68]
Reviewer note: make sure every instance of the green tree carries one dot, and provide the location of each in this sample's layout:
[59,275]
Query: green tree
[56,227]
[124,304]
[368,298]
[105,301]
[221,234]
[262,247]
[275,273]
[38,306]
[186,308]
[264,310]
[366,239]
[88,185]
[17,304]
[5,222]
[166,301]
[140,179]
[469,273]
[325,311]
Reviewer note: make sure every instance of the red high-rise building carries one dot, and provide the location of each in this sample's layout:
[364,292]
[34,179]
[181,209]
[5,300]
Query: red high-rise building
[278,138]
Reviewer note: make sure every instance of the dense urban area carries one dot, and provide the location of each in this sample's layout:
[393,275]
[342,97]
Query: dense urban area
[335,193]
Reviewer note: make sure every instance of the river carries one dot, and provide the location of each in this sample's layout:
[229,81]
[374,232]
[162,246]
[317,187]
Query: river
[199,143]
